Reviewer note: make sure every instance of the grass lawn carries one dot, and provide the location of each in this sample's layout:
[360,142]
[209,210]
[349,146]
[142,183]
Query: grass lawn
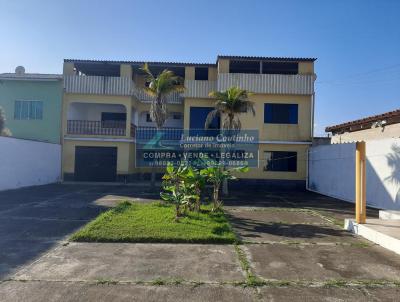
[135,222]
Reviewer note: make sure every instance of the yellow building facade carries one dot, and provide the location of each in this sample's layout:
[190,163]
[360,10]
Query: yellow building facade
[105,107]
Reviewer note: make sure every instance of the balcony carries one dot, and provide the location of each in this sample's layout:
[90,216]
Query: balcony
[166,133]
[102,128]
[268,83]
[104,85]
[199,89]
[141,95]
[97,85]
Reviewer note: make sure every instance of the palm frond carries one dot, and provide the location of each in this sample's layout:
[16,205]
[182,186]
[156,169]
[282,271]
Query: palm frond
[210,117]
[230,104]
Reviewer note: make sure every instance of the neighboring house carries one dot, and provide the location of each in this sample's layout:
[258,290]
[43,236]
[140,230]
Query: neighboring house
[386,125]
[32,104]
[104,106]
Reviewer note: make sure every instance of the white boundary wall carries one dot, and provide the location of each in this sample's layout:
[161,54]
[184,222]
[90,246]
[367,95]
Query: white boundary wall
[28,163]
[331,172]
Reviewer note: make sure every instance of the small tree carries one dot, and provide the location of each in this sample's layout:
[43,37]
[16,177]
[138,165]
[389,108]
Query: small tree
[3,130]
[216,176]
[159,88]
[176,190]
[196,182]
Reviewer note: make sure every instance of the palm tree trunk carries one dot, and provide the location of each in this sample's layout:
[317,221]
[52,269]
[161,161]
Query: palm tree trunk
[225,189]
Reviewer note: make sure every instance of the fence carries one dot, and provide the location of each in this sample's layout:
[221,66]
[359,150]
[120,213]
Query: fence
[332,172]
[28,163]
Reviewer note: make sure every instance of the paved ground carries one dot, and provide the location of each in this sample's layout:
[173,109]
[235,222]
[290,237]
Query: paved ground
[294,250]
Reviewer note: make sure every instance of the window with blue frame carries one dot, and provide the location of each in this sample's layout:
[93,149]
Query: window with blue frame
[198,116]
[28,110]
[280,161]
[281,113]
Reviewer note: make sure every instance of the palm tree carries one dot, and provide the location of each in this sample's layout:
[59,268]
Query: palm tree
[159,88]
[229,105]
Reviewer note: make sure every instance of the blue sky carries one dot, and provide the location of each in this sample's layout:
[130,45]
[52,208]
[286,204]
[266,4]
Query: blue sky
[357,43]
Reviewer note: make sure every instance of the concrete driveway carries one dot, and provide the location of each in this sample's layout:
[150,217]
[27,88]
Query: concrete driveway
[34,220]
[294,250]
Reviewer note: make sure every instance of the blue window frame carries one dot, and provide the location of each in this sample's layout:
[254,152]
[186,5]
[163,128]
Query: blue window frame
[198,116]
[281,113]
[28,110]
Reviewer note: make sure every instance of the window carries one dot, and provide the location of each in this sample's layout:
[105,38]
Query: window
[244,67]
[280,68]
[113,116]
[198,116]
[176,116]
[113,119]
[201,73]
[281,113]
[148,118]
[28,110]
[282,161]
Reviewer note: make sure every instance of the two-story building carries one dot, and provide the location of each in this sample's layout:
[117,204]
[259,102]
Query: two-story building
[105,107]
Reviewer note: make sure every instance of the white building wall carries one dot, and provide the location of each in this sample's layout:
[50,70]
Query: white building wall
[331,172]
[28,163]
[91,112]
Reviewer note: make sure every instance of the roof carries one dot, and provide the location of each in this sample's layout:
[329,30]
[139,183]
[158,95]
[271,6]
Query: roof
[280,59]
[139,62]
[391,117]
[31,76]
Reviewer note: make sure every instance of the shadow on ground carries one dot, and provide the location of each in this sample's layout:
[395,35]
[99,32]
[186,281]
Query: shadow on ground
[34,220]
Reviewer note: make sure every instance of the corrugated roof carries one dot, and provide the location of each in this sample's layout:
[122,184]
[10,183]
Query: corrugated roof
[391,117]
[30,76]
[285,59]
[139,62]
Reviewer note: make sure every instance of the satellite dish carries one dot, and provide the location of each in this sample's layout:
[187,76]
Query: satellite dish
[20,70]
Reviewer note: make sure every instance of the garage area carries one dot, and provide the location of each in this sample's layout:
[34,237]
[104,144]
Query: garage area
[95,164]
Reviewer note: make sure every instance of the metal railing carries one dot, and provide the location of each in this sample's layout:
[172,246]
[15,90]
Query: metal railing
[167,133]
[111,86]
[199,89]
[109,128]
[141,95]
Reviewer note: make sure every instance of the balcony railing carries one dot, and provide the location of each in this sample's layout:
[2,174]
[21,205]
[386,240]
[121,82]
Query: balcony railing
[141,95]
[199,89]
[268,83]
[118,128]
[98,85]
[107,128]
[167,133]
[111,86]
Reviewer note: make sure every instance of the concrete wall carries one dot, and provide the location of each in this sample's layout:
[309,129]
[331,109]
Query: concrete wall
[28,163]
[389,131]
[331,172]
